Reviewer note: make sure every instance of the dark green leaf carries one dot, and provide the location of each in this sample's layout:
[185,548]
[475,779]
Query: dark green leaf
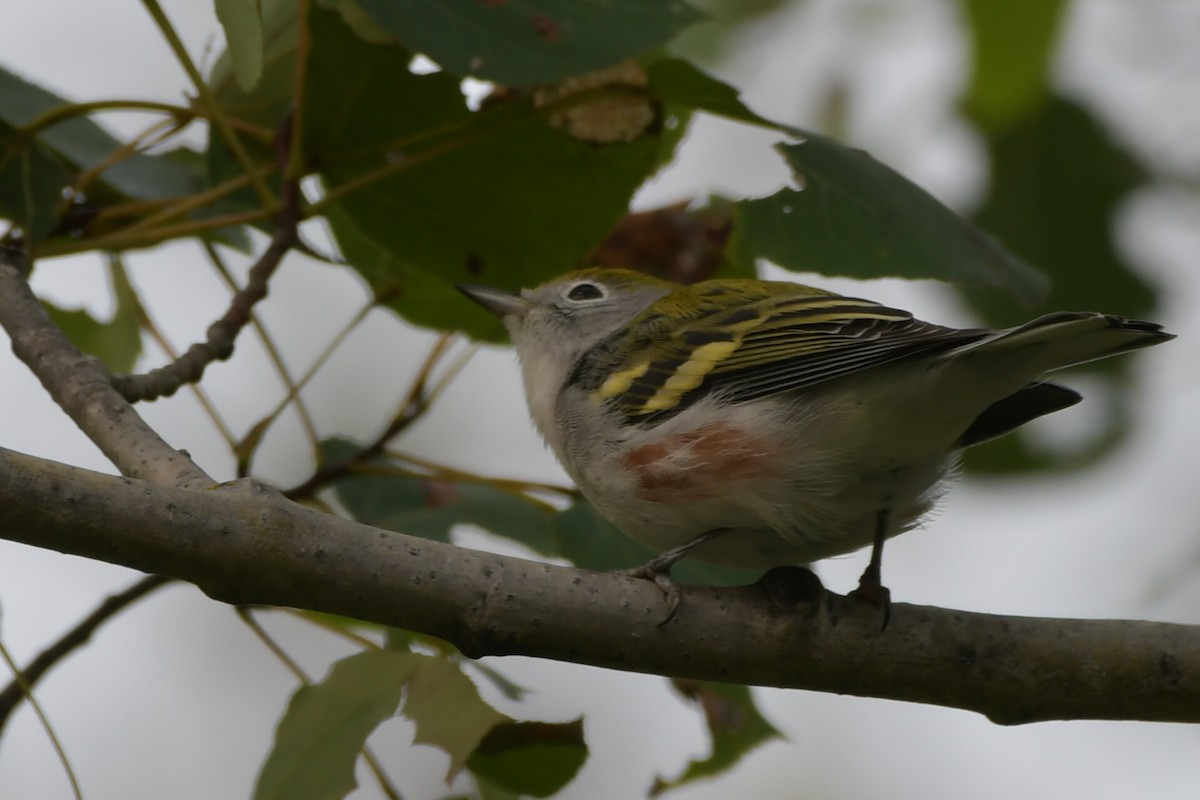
[734,722]
[853,216]
[421,297]
[84,143]
[1057,181]
[508,688]
[364,97]
[1057,184]
[430,508]
[118,342]
[590,541]
[501,195]
[32,181]
[326,724]
[243,26]
[511,203]
[266,105]
[1012,49]
[492,791]
[447,710]
[530,42]
[530,758]
[679,83]
[267,101]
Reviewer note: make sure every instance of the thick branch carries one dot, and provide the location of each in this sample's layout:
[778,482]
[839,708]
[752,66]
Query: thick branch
[246,544]
[80,385]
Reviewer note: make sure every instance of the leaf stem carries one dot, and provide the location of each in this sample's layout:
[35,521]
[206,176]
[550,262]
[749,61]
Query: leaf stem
[46,726]
[209,101]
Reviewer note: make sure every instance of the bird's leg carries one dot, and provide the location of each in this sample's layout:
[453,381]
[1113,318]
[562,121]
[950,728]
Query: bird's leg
[658,569]
[870,585]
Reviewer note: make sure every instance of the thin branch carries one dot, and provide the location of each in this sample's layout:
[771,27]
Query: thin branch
[525,490]
[123,240]
[333,627]
[218,345]
[209,101]
[273,353]
[80,385]
[242,543]
[27,692]
[263,425]
[246,615]
[416,402]
[455,136]
[63,113]
[147,323]
[24,682]
[295,167]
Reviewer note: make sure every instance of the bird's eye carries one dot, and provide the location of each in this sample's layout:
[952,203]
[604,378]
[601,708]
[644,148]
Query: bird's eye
[585,291]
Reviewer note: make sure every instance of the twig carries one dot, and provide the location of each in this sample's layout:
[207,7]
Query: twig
[81,386]
[269,345]
[417,400]
[45,722]
[209,101]
[75,638]
[147,323]
[218,344]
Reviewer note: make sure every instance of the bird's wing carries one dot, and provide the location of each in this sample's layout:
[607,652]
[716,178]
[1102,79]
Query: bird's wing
[776,343]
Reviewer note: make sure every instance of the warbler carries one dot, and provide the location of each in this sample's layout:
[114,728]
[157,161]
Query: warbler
[762,423]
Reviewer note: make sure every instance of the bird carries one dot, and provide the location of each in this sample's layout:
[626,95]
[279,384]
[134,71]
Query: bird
[759,423]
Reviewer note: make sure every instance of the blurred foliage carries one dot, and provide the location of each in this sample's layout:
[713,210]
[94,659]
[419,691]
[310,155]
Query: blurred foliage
[118,342]
[422,186]
[1012,48]
[735,726]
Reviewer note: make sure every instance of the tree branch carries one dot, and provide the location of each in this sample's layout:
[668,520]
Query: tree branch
[218,344]
[244,543]
[80,385]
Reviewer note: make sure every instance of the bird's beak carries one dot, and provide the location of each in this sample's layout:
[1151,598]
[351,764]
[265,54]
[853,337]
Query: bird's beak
[499,302]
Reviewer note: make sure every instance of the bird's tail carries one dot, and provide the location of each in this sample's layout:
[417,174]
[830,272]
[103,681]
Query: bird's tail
[1065,338]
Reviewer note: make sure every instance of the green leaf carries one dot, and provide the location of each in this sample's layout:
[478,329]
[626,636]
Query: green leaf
[1013,42]
[590,541]
[362,96]
[242,21]
[734,722]
[325,725]
[266,101]
[447,710]
[680,83]
[511,690]
[421,298]
[1057,184]
[84,143]
[530,758]
[492,791]
[351,81]
[32,181]
[530,42]
[511,201]
[118,342]
[430,508]
[853,216]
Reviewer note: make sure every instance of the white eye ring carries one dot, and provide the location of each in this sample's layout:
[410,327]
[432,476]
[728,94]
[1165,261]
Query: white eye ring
[585,292]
